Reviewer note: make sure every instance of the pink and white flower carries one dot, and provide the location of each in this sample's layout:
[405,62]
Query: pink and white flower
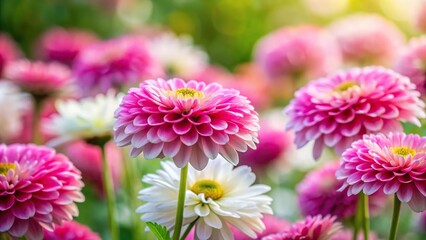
[71,231]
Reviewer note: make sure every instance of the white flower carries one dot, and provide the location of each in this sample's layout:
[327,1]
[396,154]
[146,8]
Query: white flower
[178,55]
[218,196]
[13,104]
[84,119]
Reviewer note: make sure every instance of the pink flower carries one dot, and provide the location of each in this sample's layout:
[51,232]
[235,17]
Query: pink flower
[114,64]
[339,109]
[411,62]
[71,231]
[393,164]
[38,188]
[8,51]
[292,53]
[347,234]
[318,228]
[187,121]
[421,17]
[317,194]
[38,78]
[421,221]
[367,39]
[63,45]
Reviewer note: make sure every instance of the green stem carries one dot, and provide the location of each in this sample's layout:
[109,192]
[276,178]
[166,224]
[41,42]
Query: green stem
[395,218]
[109,191]
[188,229]
[131,179]
[181,202]
[357,219]
[365,215]
[36,128]
[4,236]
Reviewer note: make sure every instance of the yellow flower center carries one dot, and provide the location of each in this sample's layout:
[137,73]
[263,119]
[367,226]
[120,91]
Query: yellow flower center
[5,167]
[185,93]
[210,188]
[403,151]
[345,86]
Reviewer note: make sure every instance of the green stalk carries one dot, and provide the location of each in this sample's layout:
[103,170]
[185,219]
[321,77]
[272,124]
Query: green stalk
[188,229]
[132,196]
[357,220]
[395,218]
[36,128]
[181,202]
[109,191]
[365,215]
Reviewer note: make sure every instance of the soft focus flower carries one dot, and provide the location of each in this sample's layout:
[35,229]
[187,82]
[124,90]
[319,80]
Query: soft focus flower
[421,17]
[318,228]
[347,234]
[367,39]
[88,118]
[421,221]
[63,45]
[411,62]
[14,104]
[71,231]
[219,195]
[292,53]
[38,78]
[38,188]
[187,121]
[8,51]
[393,163]
[177,55]
[339,109]
[317,194]
[115,63]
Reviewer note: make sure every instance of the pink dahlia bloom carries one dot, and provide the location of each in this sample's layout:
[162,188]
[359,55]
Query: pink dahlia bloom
[367,39]
[411,62]
[63,45]
[38,188]
[38,78]
[114,64]
[393,164]
[339,109]
[318,228]
[8,51]
[71,231]
[347,234]
[187,121]
[318,194]
[291,53]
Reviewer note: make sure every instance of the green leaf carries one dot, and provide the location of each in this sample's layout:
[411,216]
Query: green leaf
[159,231]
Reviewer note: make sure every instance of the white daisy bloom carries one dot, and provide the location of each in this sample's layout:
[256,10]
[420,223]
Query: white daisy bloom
[13,104]
[218,196]
[87,118]
[178,55]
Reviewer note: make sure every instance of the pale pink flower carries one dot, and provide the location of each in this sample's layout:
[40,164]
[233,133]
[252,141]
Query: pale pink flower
[187,121]
[339,109]
[318,228]
[63,45]
[8,51]
[71,231]
[38,188]
[421,17]
[297,52]
[367,39]
[115,63]
[393,164]
[347,234]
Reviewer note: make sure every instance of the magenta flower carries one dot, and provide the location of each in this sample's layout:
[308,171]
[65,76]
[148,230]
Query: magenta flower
[318,194]
[38,78]
[339,109]
[114,64]
[291,53]
[393,164]
[187,121]
[347,234]
[38,188]
[71,231]
[318,228]
[367,39]
[411,62]
[8,51]
[63,45]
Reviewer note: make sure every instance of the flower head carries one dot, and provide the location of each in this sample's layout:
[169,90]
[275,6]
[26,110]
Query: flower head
[393,164]
[347,234]
[367,39]
[115,63]
[71,231]
[339,109]
[318,228]
[8,51]
[187,121]
[38,188]
[291,53]
[219,195]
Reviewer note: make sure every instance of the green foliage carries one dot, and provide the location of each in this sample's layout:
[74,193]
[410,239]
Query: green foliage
[159,231]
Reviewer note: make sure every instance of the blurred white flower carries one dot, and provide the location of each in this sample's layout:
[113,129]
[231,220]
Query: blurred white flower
[178,56]
[217,196]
